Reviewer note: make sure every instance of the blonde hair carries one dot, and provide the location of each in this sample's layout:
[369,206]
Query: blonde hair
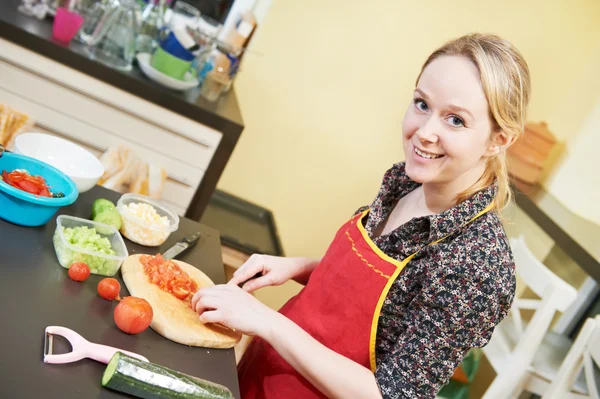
[506,83]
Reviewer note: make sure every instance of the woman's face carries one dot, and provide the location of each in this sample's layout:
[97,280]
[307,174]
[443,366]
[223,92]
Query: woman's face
[447,128]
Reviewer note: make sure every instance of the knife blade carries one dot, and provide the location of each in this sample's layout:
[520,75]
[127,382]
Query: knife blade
[184,244]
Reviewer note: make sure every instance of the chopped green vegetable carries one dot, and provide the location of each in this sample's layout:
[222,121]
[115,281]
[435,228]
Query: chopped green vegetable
[152,381]
[58,195]
[87,239]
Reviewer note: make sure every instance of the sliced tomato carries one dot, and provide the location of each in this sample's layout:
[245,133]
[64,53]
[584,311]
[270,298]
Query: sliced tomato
[16,176]
[8,179]
[29,186]
[168,276]
[180,292]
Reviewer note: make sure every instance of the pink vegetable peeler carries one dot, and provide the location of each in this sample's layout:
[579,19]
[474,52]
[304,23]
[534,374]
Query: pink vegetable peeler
[82,348]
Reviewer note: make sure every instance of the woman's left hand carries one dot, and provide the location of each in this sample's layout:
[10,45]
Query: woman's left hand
[234,308]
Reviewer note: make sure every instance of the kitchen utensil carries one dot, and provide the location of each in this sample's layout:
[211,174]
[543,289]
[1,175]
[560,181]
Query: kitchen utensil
[182,245]
[24,209]
[99,263]
[112,38]
[79,164]
[190,81]
[257,275]
[170,65]
[66,24]
[82,348]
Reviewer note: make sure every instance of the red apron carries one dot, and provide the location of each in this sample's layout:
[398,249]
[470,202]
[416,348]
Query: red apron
[339,307]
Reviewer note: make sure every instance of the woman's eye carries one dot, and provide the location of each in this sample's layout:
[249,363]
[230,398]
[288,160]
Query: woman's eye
[456,121]
[420,104]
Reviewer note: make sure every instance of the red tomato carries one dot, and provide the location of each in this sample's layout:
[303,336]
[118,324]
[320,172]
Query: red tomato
[29,186]
[108,288]
[79,271]
[8,179]
[180,292]
[44,193]
[168,276]
[133,315]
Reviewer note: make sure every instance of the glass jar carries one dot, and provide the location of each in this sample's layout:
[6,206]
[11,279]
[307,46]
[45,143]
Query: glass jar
[152,21]
[112,39]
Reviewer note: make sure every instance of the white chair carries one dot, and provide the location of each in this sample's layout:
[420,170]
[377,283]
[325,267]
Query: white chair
[526,356]
[583,354]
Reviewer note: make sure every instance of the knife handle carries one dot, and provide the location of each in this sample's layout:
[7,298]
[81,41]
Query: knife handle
[192,239]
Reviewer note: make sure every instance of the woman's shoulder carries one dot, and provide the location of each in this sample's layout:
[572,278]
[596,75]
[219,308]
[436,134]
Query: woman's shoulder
[481,251]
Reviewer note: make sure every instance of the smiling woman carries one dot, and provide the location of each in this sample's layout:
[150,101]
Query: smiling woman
[498,99]
[415,280]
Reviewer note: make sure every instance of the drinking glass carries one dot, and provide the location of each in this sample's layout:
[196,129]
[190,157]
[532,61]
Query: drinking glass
[183,15]
[112,40]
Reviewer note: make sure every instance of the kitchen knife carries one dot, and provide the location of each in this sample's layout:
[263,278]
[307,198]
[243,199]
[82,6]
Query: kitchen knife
[182,245]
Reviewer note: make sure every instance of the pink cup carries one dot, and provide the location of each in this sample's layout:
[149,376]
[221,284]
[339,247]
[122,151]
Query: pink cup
[66,25]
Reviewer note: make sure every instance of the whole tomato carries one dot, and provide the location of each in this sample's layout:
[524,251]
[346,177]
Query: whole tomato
[108,288]
[133,315]
[79,271]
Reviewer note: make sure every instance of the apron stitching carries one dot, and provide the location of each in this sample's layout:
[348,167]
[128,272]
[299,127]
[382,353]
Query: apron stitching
[363,258]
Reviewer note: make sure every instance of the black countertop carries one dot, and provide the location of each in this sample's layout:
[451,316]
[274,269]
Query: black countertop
[578,237]
[29,32]
[36,292]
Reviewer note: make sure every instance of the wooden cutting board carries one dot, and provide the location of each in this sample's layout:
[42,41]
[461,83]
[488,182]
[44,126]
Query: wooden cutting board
[173,319]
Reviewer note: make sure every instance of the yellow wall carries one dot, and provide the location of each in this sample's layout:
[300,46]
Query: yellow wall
[574,179]
[327,83]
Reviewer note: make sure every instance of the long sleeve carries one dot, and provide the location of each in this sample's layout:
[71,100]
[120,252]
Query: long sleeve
[457,311]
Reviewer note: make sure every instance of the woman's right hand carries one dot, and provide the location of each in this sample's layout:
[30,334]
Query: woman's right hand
[274,270]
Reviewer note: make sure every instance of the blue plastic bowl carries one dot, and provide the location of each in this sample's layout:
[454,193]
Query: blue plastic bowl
[22,208]
[174,47]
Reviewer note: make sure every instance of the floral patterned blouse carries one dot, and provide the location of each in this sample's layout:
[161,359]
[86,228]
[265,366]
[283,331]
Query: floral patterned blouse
[448,299]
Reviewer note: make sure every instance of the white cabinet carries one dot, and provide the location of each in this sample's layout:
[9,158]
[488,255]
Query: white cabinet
[96,115]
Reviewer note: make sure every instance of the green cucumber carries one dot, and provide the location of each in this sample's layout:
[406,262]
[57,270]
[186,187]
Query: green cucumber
[101,205]
[152,381]
[109,217]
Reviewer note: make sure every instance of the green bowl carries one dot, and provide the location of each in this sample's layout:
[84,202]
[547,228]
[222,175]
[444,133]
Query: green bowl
[169,64]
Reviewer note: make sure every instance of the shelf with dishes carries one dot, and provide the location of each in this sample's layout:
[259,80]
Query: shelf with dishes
[174,46]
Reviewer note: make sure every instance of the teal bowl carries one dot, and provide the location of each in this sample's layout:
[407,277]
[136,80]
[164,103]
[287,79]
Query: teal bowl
[24,209]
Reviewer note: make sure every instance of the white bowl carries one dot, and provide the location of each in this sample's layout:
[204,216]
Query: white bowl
[74,161]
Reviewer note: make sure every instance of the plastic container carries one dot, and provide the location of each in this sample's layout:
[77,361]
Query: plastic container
[99,263]
[66,25]
[141,231]
[24,209]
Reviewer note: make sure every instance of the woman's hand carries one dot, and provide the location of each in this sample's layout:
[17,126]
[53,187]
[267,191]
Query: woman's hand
[274,270]
[234,308]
